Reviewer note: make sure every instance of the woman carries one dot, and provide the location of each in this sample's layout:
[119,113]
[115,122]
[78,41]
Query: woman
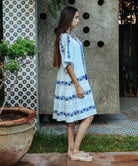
[73,98]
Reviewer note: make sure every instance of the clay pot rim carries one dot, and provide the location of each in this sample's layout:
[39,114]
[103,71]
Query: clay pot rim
[31,115]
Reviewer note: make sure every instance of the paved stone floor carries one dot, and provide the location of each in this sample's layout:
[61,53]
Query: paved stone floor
[100,159]
[125,123]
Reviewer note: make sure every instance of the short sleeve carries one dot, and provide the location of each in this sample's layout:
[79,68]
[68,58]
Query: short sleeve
[66,50]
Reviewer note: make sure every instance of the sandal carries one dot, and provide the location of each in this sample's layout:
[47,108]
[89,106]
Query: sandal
[85,153]
[67,156]
[87,159]
[82,152]
[81,157]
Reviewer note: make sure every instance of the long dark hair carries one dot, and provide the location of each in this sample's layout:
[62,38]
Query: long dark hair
[66,17]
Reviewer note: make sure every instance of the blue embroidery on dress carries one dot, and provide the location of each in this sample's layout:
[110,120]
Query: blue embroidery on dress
[82,51]
[82,55]
[62,47]
[68,41]
[71,97]
[71,82]
[74,112]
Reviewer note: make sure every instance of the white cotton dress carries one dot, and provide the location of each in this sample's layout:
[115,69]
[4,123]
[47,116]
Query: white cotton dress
[68,106]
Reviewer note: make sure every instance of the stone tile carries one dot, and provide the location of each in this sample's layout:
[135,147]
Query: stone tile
[100,159]
[125,123]
[109,159]
[43,159]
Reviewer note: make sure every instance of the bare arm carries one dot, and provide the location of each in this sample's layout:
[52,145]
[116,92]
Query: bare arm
[79,90]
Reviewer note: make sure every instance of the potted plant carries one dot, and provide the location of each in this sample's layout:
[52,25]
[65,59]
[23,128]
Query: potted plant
[17,124]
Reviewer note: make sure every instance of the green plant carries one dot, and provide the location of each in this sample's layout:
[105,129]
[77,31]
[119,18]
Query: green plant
[15,56]
[52,5]
[55,5]
[44,143]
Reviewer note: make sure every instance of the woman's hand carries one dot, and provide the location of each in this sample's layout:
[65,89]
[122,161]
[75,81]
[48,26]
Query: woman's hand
[80,91]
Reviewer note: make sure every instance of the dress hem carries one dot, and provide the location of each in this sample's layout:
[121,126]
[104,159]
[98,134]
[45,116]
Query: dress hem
[68,121]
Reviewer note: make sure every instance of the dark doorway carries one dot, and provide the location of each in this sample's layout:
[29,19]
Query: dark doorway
[128,48]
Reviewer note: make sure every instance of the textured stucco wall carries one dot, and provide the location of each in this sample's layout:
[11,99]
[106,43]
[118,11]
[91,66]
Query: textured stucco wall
[102,63]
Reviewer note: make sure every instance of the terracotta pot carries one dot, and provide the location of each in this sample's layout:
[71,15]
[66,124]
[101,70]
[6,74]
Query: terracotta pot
[16,136]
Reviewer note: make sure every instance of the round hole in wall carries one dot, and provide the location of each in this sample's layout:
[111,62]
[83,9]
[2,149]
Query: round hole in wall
[86,29]
[71,1]
[55,30]
[86,43]
[43,16]
[86,15]
[100,2]
[100,44]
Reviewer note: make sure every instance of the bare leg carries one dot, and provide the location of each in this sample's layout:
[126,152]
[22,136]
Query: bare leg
[81,132]
[70,132]
[73,147]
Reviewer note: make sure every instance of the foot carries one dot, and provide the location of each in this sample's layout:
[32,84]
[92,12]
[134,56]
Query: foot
[81,157]
[86,153]
[68,155]
[83,153]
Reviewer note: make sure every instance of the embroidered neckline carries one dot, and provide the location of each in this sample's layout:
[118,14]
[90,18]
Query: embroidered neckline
[75,38]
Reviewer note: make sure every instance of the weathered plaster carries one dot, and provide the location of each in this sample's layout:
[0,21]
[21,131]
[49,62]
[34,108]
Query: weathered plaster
[102,64]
